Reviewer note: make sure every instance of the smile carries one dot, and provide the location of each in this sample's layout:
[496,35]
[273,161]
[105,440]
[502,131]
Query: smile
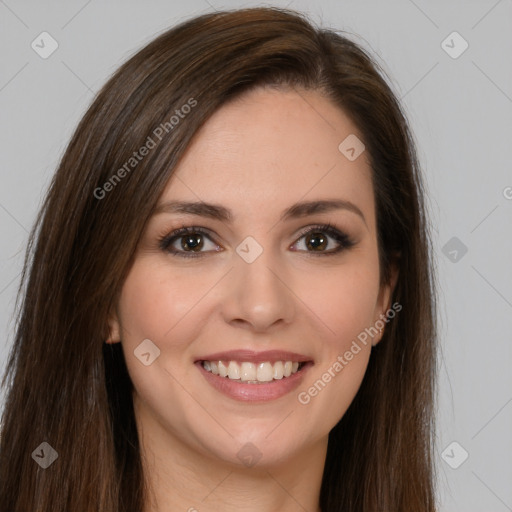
[254,376]
[252,373]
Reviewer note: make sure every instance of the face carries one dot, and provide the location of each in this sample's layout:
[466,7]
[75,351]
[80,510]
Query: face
[277,271]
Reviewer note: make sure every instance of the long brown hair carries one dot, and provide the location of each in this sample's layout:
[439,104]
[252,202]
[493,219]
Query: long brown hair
[70,389]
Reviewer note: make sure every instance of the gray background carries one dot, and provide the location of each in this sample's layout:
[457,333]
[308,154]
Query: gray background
[460,110]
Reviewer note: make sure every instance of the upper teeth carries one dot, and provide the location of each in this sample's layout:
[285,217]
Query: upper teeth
[255,372]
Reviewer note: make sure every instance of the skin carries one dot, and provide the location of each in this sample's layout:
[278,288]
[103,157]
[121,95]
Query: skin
[257,155]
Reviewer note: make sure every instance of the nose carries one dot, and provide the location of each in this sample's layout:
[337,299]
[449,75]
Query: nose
[258,296]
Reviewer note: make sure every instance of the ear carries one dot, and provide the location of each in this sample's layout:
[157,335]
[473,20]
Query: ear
[384,301]
[114,328]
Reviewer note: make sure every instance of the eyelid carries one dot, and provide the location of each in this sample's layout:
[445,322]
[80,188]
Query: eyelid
[343,239]
[166,241]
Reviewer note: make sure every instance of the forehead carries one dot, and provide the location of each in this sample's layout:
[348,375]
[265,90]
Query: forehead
[270,148]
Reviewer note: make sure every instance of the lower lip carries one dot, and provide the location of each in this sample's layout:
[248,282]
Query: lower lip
[255,392]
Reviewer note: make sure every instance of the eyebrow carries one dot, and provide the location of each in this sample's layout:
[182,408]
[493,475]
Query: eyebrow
[218,212]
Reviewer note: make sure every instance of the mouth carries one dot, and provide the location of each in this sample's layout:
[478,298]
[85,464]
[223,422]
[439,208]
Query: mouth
[250,376]
[253,373]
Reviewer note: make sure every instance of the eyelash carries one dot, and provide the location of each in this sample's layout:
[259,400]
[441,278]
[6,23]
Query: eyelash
[342,238]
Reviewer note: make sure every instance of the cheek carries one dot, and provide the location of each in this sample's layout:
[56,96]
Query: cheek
[170,308]
[346,306]
[148,310]
[345,303]
[154,302]
[157,306]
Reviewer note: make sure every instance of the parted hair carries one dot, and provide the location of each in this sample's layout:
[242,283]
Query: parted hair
[65,386]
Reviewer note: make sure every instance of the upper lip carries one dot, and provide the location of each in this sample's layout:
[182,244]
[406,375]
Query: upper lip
[251,356]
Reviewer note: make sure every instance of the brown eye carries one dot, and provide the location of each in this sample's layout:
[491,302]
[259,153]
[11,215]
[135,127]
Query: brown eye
[323,241]
[188,242]
[192,242]
[316,241]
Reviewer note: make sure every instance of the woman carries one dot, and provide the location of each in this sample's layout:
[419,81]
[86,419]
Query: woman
[228,298]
